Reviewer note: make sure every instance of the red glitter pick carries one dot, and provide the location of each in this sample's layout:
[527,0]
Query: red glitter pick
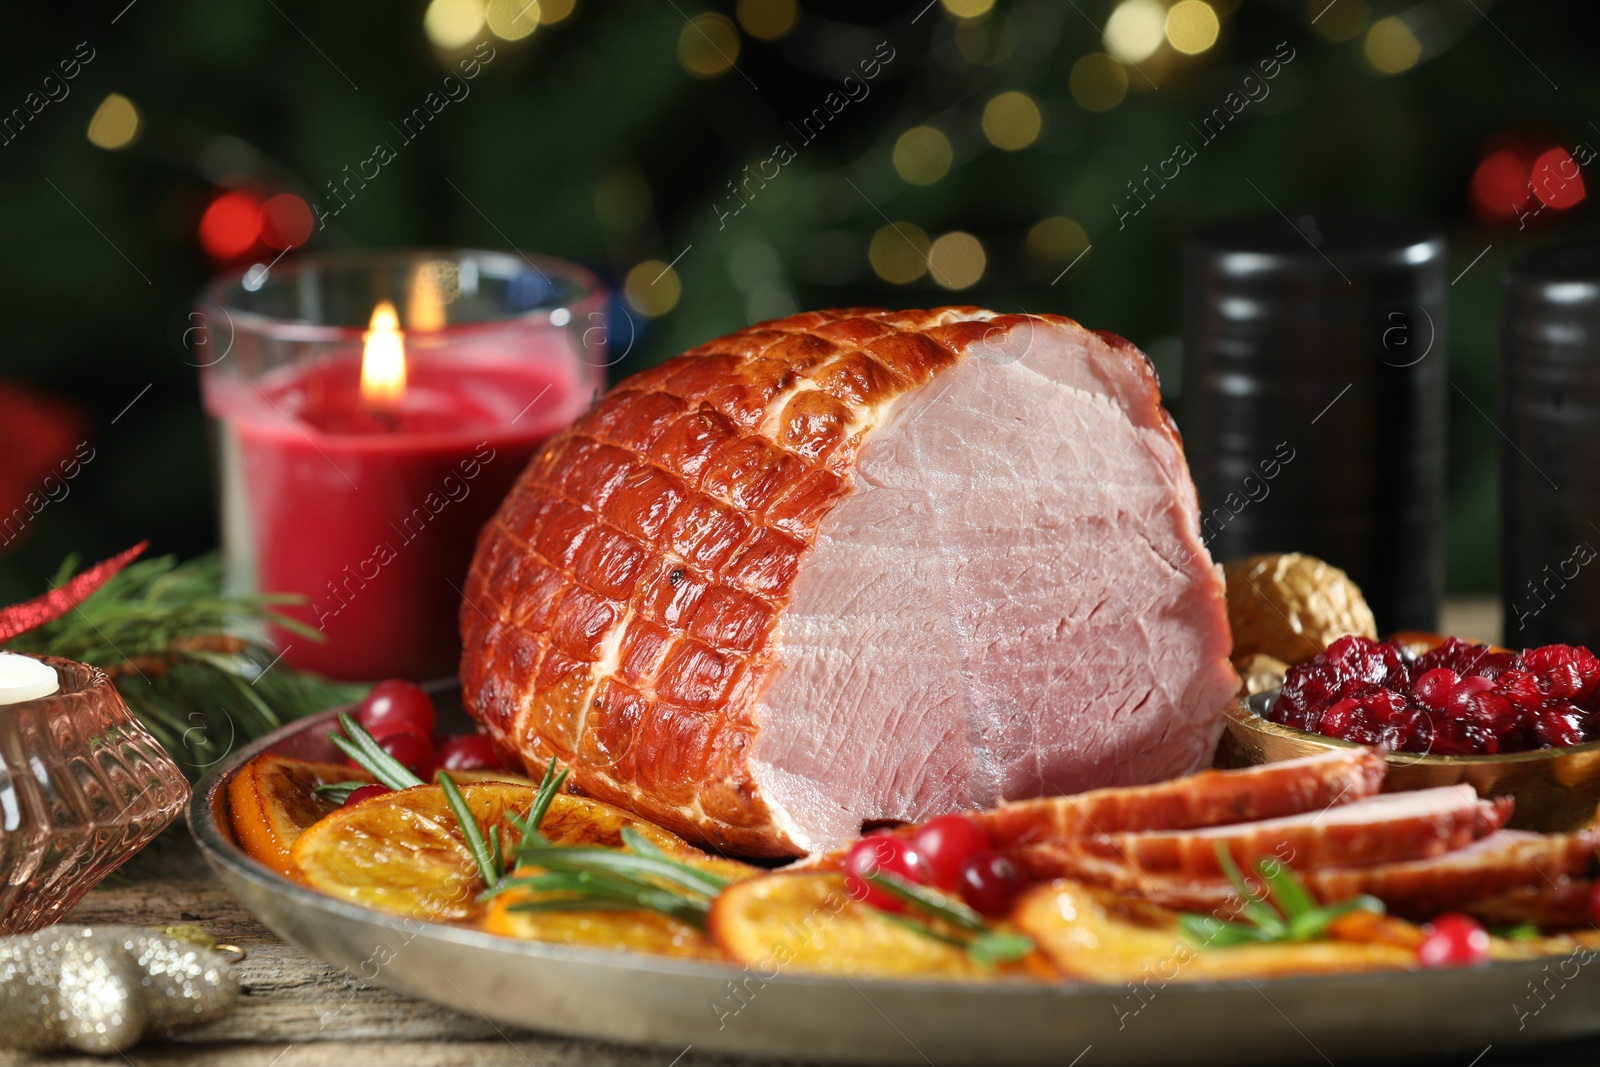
[20,618]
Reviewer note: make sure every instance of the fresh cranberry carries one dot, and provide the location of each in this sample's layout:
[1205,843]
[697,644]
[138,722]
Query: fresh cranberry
[1567,672]
[1454,940]
[944,844]
[413,750]
[469,752]
[1559,723]
[991,883]
[366,792]
[884,853]
[397,705]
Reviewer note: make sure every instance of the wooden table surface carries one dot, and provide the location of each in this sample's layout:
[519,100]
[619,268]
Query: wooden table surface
[299,1012]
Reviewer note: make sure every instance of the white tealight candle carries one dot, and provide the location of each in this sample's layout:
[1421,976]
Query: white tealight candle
[25,678]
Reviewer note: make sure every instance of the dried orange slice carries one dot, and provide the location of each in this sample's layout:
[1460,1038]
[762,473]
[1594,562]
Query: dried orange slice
[1097,934]
[808,921]
[273,799]
[403,852]
[589,822]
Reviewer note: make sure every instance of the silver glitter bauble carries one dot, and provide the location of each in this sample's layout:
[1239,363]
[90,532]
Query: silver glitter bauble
[102,988]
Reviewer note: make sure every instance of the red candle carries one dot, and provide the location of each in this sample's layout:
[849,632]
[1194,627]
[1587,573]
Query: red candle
[361,480]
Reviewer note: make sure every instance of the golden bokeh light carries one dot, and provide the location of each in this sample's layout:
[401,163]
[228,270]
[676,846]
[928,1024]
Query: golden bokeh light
[115,123]
[1391,46]
[1135,30]
[652,288]
[767,20]
[512,20]
[452,24]
[968,9]
[957,261]
[1051,246]
[1098,82]
[1338,20]
[922,155]
[899,253]
[708,45]
[553,11]
[1011,121]
[1192,26]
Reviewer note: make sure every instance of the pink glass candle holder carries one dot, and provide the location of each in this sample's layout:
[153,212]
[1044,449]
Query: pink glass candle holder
[83,786]
[369,412]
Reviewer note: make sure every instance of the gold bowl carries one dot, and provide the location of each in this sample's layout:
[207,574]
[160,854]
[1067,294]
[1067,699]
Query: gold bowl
[1556,789]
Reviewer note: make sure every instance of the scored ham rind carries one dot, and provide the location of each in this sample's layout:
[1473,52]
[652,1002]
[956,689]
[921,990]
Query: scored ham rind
[852,566]
[1387,828]
[1210,798]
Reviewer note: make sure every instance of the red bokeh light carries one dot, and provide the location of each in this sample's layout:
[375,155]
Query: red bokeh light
[1499,189]
[1556,180]
[285,221]
[231,225]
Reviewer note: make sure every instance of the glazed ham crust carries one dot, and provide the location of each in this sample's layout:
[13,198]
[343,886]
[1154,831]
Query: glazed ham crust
[624,610]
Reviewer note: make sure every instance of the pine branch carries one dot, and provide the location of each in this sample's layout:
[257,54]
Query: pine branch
[190,661]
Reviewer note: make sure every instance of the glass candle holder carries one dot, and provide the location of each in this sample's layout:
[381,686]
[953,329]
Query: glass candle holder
[369,411]
[83,786]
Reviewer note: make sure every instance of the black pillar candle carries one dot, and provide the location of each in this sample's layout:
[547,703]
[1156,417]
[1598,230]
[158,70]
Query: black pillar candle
[1550,457]
[1314,405]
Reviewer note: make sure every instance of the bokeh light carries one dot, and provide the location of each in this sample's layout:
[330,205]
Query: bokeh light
[1192,26]
[957,260]
[285,221]
[452,24]
[553,11]
[1499,189]
[1098,82]
[708,45]
[1391,47]
[1050,246]
[899,253]
[922,155]
[767,20]
[652,288]
[1135,30]
[230,226]
[1338,20]
[512,20]
[115,123]
[968,9]
[1011,121]
[1556,181]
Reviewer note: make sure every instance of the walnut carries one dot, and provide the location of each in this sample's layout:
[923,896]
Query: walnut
[1292,606]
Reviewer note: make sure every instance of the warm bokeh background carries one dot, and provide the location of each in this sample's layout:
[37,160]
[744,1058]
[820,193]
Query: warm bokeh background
[998,136]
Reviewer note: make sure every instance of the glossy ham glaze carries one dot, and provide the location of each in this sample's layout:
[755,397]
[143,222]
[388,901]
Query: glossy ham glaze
[854,565]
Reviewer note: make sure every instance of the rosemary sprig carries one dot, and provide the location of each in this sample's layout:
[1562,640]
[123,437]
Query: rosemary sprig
[365,750]
[986,946]
[1286,911]
[338,792]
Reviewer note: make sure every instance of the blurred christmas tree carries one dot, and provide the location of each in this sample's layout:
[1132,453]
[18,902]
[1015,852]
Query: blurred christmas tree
[723,163]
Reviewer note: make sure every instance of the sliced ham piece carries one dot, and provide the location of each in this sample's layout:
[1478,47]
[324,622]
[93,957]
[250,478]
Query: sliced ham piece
[1387,828]
[852,566]
[1210,798]
[1507,877]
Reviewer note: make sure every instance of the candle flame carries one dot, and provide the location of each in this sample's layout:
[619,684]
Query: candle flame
[383,359]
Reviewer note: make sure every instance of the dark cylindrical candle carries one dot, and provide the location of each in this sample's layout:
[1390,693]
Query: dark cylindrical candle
[1550,456]
[1314,405]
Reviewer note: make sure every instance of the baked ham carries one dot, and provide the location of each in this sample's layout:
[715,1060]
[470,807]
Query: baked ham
[1210,798]
[853,566]
[1387,828]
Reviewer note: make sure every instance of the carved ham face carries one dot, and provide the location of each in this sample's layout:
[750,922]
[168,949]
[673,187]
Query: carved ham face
[852,566]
